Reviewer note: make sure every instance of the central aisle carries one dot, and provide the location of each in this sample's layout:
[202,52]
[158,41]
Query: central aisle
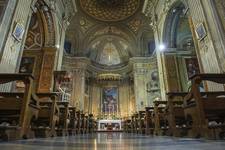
[113,141]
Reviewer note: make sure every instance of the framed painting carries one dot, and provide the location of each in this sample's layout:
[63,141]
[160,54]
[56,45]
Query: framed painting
[18,31]
[109,99]
[200,31]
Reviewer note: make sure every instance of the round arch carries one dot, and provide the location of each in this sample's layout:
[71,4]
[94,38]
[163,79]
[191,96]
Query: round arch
[171,24]
[46,17]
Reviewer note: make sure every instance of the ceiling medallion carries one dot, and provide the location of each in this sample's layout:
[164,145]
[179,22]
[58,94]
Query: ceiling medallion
[110,10]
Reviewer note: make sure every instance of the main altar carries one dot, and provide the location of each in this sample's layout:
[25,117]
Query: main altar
[109,125]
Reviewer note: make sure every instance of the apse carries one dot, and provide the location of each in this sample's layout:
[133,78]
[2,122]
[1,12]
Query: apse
[109,51]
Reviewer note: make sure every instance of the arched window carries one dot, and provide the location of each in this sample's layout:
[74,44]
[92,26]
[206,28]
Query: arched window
[67,46]
[151,47]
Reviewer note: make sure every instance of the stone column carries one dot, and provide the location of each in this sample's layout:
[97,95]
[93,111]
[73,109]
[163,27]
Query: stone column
[78,88]
[12,49]
[141,70]
[210,49]
[78,66]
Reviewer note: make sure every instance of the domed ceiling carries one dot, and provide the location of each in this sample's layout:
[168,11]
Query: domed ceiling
[110,10]
[109,51]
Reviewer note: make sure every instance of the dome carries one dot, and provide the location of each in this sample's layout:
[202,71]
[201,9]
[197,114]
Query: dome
[110,10]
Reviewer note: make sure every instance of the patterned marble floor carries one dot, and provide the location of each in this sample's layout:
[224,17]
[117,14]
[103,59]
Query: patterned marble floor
[113,141]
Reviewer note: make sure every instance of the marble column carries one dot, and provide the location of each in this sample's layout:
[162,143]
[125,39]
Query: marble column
[78,88]
[77,66]
[142,67]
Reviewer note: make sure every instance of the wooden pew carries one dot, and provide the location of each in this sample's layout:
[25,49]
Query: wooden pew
[83,123]
[91,126]
[64,118]
[48,116]
[205,111]
[141,122]
[128,126]
[78,122]
[149,126]
[125,128]
[17,110]
[136,125]
[72,123]
[160,125]
[132,124]
[174,114]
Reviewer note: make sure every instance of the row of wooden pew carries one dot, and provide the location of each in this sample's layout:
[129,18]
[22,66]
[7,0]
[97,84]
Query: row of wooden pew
[27,114]
[185,114]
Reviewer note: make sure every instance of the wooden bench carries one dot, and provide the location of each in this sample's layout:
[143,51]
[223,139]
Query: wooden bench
[64,118]
[127,126]
[174,114]
[17,110]
[91,121]
[205,111]
[141,122]
[132,124]
[72,123]
[78,122]
[149,126]
[83,123]
[48,117]
[136,125]
[160,126]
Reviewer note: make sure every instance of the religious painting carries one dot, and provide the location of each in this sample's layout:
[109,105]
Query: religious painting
[109,99]
[27,65]
[192,66]
[200,31]
[18,32]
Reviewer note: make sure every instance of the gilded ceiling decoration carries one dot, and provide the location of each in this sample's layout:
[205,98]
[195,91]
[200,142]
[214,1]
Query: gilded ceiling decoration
[134,25]
[113,10]
[109,30]
[85,24]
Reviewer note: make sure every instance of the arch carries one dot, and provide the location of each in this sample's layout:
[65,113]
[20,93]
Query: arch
[144,37]
[46,18]
[120,31]
[177,37]
[171,24]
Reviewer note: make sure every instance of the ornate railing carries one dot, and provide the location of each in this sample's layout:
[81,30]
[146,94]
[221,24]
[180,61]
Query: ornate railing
[64,96]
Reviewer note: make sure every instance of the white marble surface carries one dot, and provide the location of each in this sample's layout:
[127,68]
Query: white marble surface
[113,141]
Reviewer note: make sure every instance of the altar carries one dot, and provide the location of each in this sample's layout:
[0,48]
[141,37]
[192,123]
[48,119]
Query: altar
[109,125]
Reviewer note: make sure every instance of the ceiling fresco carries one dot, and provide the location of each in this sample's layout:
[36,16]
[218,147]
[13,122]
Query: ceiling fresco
[109,51]
[109,55]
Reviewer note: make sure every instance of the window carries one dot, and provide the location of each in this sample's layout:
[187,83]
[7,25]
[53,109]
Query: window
[67,46]
[151,47]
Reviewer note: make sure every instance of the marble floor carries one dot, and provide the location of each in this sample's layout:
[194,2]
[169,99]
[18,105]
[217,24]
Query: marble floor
[113,141]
